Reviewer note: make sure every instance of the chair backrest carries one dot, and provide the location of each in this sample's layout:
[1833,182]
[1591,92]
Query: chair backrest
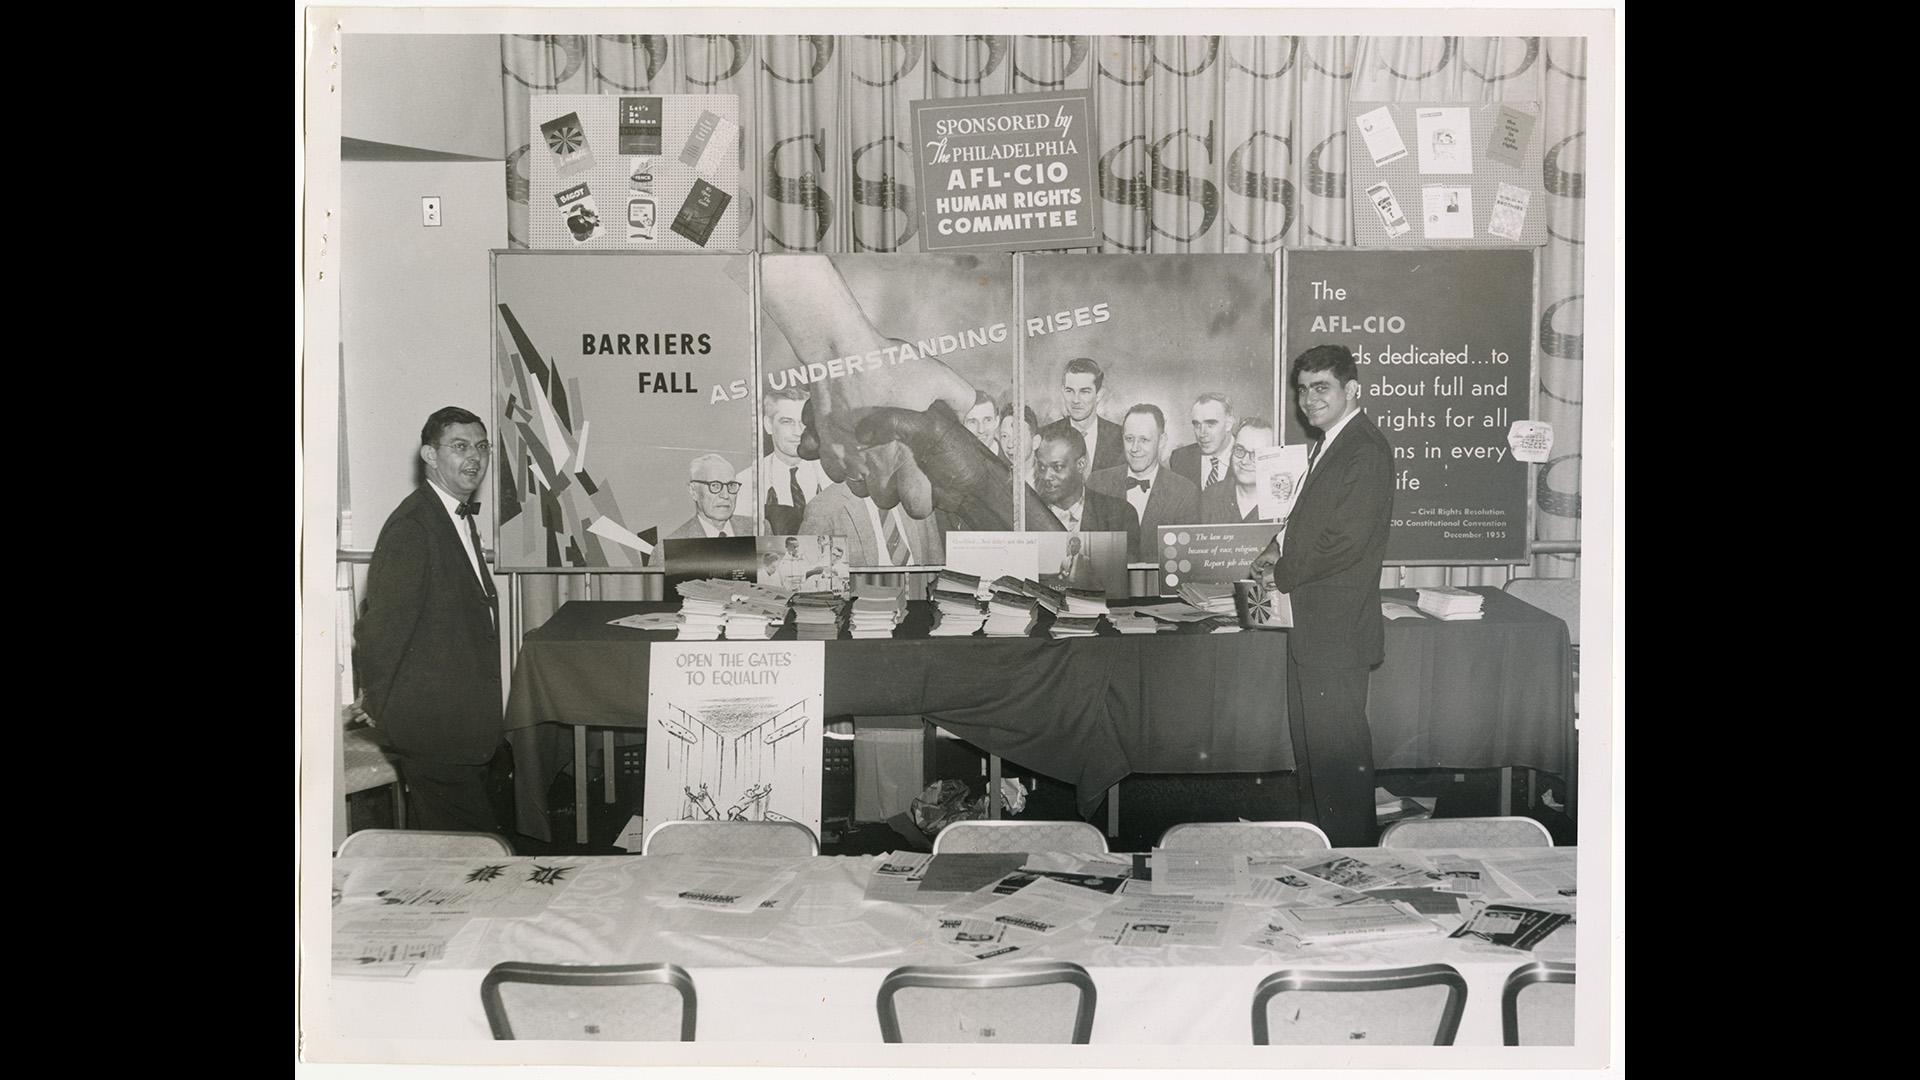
[1413,1006]
[366,761]
[419,843]
[1555,596]
[1536,1008]
[730,838]
[1029,836]
[1466,832]
[1040,1002]
[1246,837]
[628,1003]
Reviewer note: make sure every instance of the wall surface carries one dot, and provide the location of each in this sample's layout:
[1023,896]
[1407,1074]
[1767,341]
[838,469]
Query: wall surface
[413,313]
[429,91]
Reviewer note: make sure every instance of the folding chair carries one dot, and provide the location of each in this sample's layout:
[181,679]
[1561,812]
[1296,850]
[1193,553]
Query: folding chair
[1246,837]
[1467,832]
[1414,1006]
[1029,836]
[402,843]
[730,838]
[628,1003]
[1049,1002]
[1536,1008]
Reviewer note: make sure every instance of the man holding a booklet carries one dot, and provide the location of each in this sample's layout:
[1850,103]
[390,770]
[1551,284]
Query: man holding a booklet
[1328,562]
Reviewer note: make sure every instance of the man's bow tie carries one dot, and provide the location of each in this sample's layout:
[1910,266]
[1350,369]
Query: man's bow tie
[468,508]
[1136,482]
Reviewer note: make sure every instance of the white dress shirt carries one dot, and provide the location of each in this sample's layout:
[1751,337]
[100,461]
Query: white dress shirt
[460,528]
[1136,496]
[1070,515]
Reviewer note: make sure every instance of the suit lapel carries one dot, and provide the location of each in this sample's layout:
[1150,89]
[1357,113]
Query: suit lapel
[449,539]
[1341,447]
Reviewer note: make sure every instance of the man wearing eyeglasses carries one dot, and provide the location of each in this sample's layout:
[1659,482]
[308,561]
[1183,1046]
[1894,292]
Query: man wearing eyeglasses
[714,489]
[1239,501]
[428,652]
[1328,562]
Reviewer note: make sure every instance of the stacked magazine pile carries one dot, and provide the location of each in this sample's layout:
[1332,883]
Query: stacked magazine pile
[818,616]
[1082,611]
[703,608]
[1013,611]
[755,613]
[1132,623]
[956,605]
[877,609]
[1451,603]
[1214,597]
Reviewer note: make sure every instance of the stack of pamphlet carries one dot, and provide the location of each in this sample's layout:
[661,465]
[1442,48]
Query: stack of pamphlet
[703,608]
[956,605]
[1086,602]
[1012,612]
[1451,603]
[1054,600]
[1214,597]
[1065,625]
[1134,624]
[877,609]
[956,582]
[754,618]
[817,616]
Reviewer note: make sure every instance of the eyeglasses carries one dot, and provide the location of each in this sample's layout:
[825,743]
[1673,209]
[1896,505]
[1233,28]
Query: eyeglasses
[1241,453]
[462,447]
[731,487]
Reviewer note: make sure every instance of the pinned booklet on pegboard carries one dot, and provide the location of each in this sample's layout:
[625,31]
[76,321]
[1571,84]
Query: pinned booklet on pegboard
[634,172]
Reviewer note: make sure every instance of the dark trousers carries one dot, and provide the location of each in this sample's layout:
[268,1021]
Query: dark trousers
[1333,750]
[443,797]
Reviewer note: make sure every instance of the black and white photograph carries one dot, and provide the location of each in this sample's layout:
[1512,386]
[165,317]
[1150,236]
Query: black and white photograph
[781,484]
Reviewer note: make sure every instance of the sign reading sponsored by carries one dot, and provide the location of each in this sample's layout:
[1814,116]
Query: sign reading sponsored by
[1009,172]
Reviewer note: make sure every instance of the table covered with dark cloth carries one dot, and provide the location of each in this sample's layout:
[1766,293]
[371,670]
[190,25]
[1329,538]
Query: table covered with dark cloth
[1089,711]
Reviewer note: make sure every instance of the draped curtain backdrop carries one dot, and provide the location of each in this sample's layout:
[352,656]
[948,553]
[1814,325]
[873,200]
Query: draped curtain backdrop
[1207,144]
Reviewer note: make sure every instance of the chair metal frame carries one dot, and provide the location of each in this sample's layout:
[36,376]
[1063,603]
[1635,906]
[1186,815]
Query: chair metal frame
[1417,824]
[662,974]
[346,846]
[646,844]
[1540,971]
[1271,826]
[1407,978]
[1093,831]
[1001,977]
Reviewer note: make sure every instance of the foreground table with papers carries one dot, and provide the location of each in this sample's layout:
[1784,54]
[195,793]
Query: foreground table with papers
[793,950]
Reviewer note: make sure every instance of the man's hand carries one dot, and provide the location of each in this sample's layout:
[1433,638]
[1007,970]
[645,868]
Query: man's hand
[1263,563]
[927,461]
[354,713]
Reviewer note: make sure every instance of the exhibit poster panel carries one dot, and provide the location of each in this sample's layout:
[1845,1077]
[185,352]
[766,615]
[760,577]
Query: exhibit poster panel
[634,172]
[1007,171]
[1148,371]
[1443,341]
[614,427]
[734,732]
[883,383]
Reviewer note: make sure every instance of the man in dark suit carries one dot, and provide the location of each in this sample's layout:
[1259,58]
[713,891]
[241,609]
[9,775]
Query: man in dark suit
[429,643]
[1206,461]
[1327,559]
[1083,387]
[1159,495]
[1236,499]
[1059,466]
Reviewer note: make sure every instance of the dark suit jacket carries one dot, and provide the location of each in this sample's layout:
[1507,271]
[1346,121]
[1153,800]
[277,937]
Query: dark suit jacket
[1104,513]
[1220,505]
[1107,451]
[428,654]
[1172,500]
[1185,460]
[1336,541]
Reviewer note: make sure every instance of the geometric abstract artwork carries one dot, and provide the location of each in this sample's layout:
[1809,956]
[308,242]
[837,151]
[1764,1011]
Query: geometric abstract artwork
[611,380]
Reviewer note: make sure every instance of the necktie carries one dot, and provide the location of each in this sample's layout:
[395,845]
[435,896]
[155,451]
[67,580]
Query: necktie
[1213,473]
[1137,482]
[471,511]
[897,553]
[793,488]
[1313,453]
[723,530]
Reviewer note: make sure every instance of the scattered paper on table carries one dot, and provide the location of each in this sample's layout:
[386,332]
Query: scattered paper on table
[1045,906]
[1154,922]
[1345,870]
[498,887]
[1512,927]
[1395,609]
[1194,873]
[963,873]
[1282,885]
[729,891]
[649,620]
[1348,922]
